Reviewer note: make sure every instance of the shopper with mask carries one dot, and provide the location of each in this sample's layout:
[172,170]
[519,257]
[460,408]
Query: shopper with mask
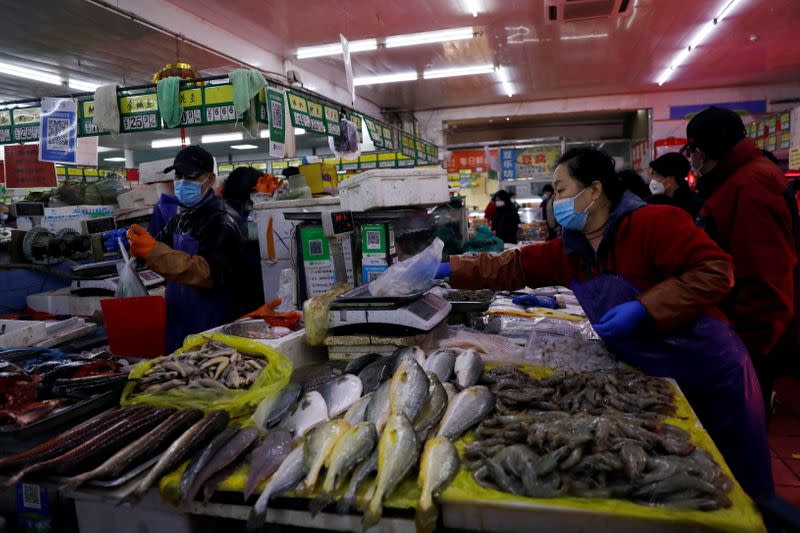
[669,186]
[199,251]
[747,212]
[505,221]
[649,281]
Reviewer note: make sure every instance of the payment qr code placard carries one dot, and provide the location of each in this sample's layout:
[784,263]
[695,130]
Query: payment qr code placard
[373,239]
[315,247]
[276,114]
[31,496]
[58,132]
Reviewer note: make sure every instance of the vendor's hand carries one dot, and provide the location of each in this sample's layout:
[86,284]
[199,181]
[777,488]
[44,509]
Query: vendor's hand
[621,321]
[443,271]
[141,241]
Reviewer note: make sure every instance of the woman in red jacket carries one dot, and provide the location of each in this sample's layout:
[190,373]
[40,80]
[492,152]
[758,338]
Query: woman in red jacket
[649,281]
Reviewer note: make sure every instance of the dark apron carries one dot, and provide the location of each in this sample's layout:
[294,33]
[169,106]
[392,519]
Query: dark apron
[711,366]
[189,309]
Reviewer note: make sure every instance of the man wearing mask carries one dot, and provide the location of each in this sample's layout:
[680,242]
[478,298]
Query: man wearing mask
[747,213]
[199,251]
[547,212]
[669,186]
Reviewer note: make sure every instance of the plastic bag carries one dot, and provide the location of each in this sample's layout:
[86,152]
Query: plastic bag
[315,314]
[129,285]
[286,290]
[346,143]
[412,275]
[272,379]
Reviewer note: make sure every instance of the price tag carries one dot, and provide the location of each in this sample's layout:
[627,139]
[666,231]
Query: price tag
[317,117]
[332,121]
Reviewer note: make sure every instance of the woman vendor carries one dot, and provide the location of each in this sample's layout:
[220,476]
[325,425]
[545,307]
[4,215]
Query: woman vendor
[649,281]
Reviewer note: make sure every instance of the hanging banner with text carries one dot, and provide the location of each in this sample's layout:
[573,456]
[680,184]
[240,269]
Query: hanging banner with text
[58,134]
[277,122]
[24,170]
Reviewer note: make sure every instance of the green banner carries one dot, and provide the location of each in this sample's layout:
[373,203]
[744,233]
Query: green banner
[375,132]
[139,112]
[407,144]
[389,137]
[332,121]
[298,111]
[192,103]
[25,122]
[277,122]
[316,113]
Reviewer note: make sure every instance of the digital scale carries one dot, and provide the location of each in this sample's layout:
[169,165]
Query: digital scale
[101,279]
[358,311]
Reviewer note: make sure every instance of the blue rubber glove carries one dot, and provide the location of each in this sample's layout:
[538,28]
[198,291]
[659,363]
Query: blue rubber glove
[443,271]
[621,321]
[532,300]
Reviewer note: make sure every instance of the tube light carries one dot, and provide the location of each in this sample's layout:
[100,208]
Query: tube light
[334,49]
[704,32]
[264,134]
[726,10]
[169,143]
[221,137]
[30,74]
[384,78]
[502,75]
[79,85]
[115,159]
[299,131]
[473,6]
[427,37]
[582,37]
[457,71]
[244,146]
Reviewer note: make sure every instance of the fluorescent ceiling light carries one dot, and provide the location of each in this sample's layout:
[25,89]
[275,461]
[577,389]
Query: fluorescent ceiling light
[581,37]
[102,149]
[83,85]
[30,74]
[244,146]
[221,137]
[264,134]
[169,143]
[701,35]
[473,6]
[726,10]
[299,131]
[335,49]
[427,37]
[502,75]
[384,78]
[115,159]
[457,71]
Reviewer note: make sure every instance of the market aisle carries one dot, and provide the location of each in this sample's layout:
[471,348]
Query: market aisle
[784,440]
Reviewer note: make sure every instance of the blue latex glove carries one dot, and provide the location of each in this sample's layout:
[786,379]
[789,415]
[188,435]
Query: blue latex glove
[443,271]
[532,300]
[621,321]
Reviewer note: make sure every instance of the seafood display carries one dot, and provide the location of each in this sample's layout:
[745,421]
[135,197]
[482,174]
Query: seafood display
[212,365]
[462,295]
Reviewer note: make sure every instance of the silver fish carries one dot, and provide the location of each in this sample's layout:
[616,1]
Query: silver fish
[272,409]
[397,455]
[287,477]
[358,410]
[434,408]
[469,407]
[378,408]
[310,411]
[201,460]
[341,393]
[451,391]
[376,373]
[415,352]
[468,368]
[408,389]
[233,449]
[441,363]
[318,448]
[357,365]
[437,467]
[365,468]
[266,458]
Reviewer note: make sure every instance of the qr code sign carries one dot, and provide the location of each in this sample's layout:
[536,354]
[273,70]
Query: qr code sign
[315,247]
[276,115]
[373,239]
[58,134]
[31,496]
[372,276]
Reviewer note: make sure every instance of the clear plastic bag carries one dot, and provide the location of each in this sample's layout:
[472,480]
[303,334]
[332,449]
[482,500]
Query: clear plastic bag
[129,285]
[567,345]
[410,276]
[346,143]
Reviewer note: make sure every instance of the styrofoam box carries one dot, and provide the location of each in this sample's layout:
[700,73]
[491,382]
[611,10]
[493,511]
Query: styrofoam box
[390,187]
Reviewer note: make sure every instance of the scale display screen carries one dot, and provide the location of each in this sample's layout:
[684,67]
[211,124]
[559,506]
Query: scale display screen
[422,309]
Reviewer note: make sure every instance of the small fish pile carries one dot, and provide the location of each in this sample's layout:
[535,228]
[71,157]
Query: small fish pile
[374,416]
[625,391]
[212,365]
[461,295]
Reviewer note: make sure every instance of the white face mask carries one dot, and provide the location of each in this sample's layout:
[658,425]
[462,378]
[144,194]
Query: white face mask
[656,187]
[499,203]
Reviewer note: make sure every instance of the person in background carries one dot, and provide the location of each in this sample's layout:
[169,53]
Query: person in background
[199,251]
[488,213]
[669,186]
[634,182]
[547,212]
[236,191]
[746,212]
[163,211]
[506,218]
[6,220]
[513,197]
[649,281]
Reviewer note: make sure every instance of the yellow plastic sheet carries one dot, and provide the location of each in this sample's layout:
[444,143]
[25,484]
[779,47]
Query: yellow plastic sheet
[536,312]
[272,379]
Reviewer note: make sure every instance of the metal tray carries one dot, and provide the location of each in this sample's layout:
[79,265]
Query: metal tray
[362,295]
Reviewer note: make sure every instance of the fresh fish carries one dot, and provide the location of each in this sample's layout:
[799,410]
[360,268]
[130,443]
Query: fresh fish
[287,477]
[441,363]
[352,448]
[193,438]
[226,455]
[376,373]
[150,443]
[69,439]
[434,408]
[450,390]
[318,448]
[366,468]
[265,459]
[469,407]
[271,410]
[314,375]
[468,368]
[437,467]
[408,389]
[358,410]
[397,455]
[101,445]
[200,460]
[85,387]
[309,411]
[217,479]
[415,352]
[340,393]
[378,408]
[357,365]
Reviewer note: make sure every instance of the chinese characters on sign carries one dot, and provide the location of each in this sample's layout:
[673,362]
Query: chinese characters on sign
[24,170]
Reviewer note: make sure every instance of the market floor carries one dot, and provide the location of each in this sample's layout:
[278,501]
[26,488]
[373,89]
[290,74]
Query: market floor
[784,440]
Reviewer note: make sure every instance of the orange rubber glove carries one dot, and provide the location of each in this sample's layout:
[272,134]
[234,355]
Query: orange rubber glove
[142,242]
